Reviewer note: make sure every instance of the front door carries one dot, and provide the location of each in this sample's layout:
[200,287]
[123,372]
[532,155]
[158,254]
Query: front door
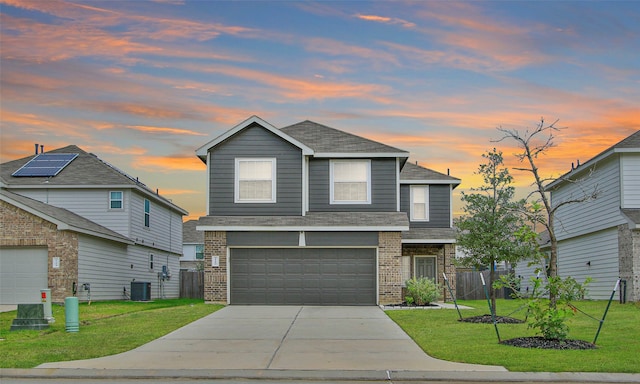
[425,267]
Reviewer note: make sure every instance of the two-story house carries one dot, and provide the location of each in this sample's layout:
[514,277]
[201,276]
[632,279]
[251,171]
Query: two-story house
[599,238]
[75,224]
[308,214]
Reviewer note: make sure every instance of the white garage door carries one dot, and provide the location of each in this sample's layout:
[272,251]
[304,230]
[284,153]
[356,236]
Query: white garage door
[23,273]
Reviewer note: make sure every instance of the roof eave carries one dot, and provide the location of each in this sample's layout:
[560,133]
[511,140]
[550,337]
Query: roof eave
[361,154]
[308,228]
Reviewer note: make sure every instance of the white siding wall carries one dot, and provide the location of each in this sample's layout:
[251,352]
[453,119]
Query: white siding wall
[188,252]
[92,204]
[165,229]
[599,248]
[630,170]
[604,212]
[526,272]
[107,267]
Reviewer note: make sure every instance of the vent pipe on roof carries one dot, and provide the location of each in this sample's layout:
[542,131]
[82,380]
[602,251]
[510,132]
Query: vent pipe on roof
[41,148]
[448,172]
[37,148]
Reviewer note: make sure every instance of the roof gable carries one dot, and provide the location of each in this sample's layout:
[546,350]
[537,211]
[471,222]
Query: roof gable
[203,150]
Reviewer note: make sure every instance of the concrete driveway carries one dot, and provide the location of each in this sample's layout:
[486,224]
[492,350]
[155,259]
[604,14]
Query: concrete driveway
[282,338]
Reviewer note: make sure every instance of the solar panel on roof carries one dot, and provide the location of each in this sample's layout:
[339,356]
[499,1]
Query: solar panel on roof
[45,165]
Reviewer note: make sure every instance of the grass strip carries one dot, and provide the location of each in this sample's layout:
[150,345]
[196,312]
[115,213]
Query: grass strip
[441,335]
[106,328]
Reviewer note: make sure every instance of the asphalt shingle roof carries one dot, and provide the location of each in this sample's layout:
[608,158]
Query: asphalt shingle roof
[312,219]
[76,222]
[323,139]
[189,233]
[85,170]
[412,171]
[429,234]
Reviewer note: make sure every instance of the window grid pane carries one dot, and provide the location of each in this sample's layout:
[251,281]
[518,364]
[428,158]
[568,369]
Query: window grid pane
[255,180]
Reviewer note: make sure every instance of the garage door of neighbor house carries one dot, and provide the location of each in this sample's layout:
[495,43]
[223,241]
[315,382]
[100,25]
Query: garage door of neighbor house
[295,276]
[23,273]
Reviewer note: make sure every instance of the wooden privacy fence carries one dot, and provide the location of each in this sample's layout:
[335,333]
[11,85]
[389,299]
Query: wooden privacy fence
[192,284]
[469,285]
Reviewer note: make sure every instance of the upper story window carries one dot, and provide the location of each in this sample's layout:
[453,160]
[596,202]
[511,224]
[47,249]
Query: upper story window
[116,200]
[350,181]
[147,213]
[420,203]
[255,181]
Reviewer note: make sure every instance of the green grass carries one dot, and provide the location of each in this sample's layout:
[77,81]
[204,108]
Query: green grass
[440,335]
[106,328]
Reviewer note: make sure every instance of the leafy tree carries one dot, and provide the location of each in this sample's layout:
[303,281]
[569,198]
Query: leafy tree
[492,228]
[534,143]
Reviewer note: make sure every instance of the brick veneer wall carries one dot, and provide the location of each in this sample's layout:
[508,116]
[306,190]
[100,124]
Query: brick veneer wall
[215,278]
[19,228]
[629,260]
[389,267]
[445,256]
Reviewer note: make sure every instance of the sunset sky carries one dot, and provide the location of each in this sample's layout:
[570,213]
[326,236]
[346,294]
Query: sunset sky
[142,84]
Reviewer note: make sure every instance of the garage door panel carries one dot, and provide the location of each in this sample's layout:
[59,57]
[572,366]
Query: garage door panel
[23,273]
[313,276]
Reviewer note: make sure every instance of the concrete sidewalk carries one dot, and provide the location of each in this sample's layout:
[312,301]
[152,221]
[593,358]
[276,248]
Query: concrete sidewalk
[282,338]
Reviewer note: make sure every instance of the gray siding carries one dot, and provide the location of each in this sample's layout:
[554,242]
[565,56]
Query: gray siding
[110,267]
[383,187]
[265,239]
[630,164]
[601,213]
[344,239]
[439,206]
[255,141]
[601,250]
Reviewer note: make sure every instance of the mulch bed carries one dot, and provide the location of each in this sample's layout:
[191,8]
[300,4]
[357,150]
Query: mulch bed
[542,343]
[538,342]
[487,319]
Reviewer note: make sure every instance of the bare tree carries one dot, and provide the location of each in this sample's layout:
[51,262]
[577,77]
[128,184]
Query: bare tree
[532,144]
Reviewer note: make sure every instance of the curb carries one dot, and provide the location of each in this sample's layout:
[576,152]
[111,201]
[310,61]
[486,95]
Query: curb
[396,376]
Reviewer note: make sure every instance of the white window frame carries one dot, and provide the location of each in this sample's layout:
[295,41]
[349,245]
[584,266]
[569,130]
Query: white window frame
[332,199]
[239,160]
[121,200]
[150,264]
[412,208]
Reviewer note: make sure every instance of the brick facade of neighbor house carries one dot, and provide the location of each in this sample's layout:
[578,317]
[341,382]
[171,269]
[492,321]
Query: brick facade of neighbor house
[629,260]
[215,278]
[445,256]
[389,261]
[22,229]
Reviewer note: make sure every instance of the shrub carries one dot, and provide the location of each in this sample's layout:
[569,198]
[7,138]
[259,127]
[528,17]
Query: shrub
[547,317]
[422,291]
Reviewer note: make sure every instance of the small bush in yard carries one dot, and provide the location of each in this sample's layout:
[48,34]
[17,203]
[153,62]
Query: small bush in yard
[422,291]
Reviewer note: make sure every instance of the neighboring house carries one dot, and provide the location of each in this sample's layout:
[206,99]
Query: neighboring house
[77,225]
[192,247]
[601,238]
[308,214]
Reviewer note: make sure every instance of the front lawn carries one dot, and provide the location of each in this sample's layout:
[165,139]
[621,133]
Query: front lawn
[441,335]
[106,328]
